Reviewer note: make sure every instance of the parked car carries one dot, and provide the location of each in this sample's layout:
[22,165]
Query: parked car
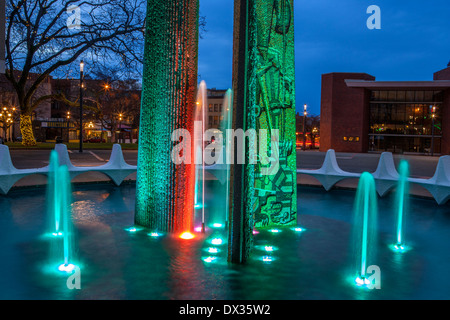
[95,140]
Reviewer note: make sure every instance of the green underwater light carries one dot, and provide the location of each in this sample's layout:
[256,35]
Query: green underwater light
[217,241]
[66,267]
[213,250]
[267,259]
[210,259]
[155,234]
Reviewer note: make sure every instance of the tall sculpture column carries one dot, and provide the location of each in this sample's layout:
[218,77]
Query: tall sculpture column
[264,87]
[164,190]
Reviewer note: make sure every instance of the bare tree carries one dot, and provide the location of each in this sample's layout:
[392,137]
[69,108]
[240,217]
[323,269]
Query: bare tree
[118,104]
[41,39]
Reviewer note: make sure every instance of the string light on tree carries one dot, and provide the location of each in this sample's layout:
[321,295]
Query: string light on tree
[7,118]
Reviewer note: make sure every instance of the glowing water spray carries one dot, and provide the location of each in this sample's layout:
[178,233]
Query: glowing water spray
[228,124]
[59,201]
[402,203]
[199,144]
[53,194]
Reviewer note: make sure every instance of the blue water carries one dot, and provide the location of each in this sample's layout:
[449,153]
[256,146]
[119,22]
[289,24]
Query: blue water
[316,264]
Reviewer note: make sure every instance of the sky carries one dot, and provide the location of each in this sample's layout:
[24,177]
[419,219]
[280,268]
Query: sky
[332,36]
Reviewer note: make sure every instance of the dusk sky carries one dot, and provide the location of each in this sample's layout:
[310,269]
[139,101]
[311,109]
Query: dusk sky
[332,36]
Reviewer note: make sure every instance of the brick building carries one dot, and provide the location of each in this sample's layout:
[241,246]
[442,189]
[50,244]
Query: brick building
[360,114]
[215,112]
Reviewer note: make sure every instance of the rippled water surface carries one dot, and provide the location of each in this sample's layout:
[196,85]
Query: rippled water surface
[315,264]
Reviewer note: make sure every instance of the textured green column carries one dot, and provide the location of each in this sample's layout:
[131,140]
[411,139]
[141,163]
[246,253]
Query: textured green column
[165,191]
[264,87]
[240,237]
[276,195]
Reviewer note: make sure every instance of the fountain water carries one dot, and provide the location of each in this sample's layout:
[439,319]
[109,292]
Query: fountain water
[59,202]
[215,212]
[227,125]
[402,196]
[53,191]
[199,145]
[364,238]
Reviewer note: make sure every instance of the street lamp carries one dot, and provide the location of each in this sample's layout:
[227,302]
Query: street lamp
[81,104]
[120,127]
[433,118]
[68,126]
[305,113]
[313,137]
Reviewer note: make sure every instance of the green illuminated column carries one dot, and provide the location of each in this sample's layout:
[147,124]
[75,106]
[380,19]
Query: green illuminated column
[264,87]
[276,195]
[165,191]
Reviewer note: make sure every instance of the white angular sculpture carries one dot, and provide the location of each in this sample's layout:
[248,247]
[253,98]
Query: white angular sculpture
[330,173]
[116,168]
[439,184]
[9,175]
[386,175]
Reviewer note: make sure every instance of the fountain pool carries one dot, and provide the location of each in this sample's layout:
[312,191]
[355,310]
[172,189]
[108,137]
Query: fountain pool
[315,264]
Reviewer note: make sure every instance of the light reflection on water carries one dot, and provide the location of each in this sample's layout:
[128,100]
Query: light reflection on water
[309,265]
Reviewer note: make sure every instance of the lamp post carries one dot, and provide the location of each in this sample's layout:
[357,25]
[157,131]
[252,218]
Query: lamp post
[68,126]
[120,127]
[305,113]
[81,105]
[313,137]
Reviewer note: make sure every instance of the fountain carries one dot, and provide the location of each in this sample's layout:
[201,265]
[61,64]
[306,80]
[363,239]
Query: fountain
[53,191]
[402,196]
[59,195]
[365,229]
[213,214]
[122,264]
[227,125]
[199,146]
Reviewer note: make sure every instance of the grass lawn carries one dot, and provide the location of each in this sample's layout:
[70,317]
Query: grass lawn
[72,146]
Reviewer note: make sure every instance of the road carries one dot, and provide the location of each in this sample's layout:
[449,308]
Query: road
[420,166]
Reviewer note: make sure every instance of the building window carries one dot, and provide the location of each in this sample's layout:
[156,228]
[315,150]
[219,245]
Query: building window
[405,121]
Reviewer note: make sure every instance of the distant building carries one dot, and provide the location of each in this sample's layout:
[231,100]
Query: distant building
[54,119]
[215,113]
[360,114]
